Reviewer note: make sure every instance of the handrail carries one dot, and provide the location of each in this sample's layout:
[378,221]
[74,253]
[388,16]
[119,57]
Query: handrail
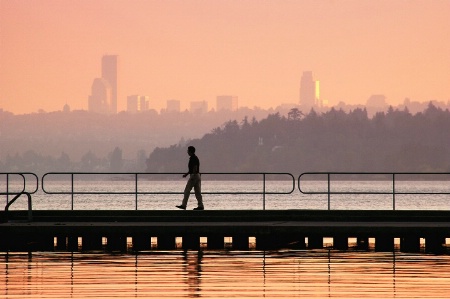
[393,175]
[24,176]
[135,176]
[17,195]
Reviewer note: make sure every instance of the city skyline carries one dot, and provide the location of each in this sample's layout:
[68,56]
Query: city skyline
[194,51]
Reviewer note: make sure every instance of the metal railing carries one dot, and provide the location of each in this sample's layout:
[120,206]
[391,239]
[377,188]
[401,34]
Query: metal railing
[379,176]
[29,184]
[136,177]
[30,207]
[25,177]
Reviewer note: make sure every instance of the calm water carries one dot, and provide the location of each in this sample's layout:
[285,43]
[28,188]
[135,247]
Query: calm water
[296,200]
[224,274]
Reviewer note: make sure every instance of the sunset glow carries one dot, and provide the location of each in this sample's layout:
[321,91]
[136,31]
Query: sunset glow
[51,50]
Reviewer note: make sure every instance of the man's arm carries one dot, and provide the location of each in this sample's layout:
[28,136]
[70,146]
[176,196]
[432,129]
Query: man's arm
[193,166]
[194,170]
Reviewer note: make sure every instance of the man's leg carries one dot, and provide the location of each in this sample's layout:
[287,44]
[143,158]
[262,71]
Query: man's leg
[187,192]
[198,192]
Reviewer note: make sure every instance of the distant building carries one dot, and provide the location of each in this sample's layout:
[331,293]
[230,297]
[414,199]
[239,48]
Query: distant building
[199,106]
[173,106]
[66,108]
[100,98]
[110,73]
[319,101]
[144,103]
[309,91]
[227,103]
[104,91]
[137,103]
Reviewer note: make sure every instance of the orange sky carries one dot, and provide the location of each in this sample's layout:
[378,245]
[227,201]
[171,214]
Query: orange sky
[50,50]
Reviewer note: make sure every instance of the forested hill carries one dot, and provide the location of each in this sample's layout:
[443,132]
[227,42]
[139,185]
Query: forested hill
[395,141]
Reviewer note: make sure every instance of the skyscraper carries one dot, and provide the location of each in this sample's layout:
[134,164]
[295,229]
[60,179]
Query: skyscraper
[109,72]
[103,98]
[100,98]
[307,90]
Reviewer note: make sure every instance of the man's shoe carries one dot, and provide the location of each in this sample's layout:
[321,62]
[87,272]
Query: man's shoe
[199,208]
[181,207]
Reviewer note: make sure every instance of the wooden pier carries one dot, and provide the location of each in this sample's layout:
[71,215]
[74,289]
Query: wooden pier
[271,229]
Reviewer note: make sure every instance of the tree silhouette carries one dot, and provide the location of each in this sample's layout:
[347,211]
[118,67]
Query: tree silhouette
[332,141]
[295,114]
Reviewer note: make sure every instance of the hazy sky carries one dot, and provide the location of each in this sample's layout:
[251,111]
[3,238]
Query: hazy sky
[50,50]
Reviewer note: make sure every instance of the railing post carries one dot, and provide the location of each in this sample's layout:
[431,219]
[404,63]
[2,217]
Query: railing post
[136,189]
[7,188]
[393,191]
[329,191]
[72,188]
[30,208]
[264,191]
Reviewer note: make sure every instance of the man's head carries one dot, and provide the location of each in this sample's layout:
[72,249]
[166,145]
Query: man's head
[191,150]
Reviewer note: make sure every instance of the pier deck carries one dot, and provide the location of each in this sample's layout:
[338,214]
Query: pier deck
[272,229]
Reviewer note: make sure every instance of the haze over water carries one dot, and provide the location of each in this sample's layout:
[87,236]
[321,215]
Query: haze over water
[196,50]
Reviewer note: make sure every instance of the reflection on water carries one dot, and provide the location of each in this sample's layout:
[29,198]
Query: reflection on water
[213,274]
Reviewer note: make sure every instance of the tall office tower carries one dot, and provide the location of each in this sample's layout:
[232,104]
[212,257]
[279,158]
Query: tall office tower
[173,106]
[307,91]
[227,103]
[100,98]
[109,72]
[319,101]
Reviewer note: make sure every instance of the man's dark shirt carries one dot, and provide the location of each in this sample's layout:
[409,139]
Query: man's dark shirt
[193,160]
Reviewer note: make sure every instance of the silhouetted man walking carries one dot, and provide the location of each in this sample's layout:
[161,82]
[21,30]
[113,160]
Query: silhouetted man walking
[193,182]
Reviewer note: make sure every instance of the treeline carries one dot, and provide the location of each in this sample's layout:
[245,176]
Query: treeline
[30,161]
[84,141]
[392,141]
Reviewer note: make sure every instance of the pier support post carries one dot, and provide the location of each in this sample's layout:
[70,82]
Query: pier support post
[315,242]
[30,242]
[45,243]
[340,242]
[191,242]
[410,244]
[278,241]
[116,243]
[61,242]
[141,242]
[166,242]
[91,242]
[296,242]
[3,243]
[434,244]
[384,243]
[288,241]
[216,242]
[72,243]
[17,242]
[240,242]
[362,243]
[267,242]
